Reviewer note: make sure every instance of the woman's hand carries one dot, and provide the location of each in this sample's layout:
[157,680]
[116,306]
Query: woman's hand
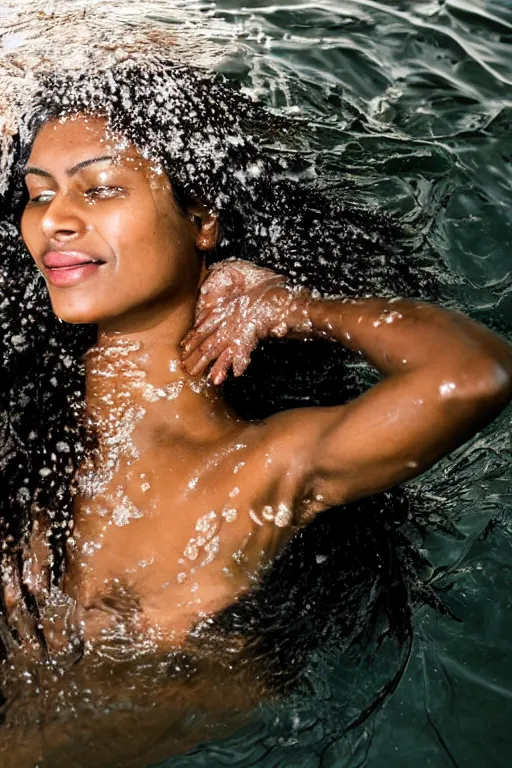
[239,305]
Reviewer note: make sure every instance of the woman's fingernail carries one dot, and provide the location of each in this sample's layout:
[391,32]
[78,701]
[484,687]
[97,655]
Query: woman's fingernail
[198,367]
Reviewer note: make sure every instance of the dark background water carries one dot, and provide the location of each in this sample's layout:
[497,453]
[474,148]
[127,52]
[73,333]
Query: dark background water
[411,101]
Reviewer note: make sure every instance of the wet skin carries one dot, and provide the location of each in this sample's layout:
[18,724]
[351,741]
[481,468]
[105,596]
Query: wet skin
[207,499]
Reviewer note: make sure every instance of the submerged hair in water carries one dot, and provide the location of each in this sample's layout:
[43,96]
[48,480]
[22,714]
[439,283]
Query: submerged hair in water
[352,577]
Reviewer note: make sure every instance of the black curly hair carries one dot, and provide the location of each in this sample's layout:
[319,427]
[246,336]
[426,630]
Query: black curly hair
[352,576]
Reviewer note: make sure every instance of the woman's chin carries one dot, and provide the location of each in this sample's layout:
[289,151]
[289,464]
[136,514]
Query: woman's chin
[77,315]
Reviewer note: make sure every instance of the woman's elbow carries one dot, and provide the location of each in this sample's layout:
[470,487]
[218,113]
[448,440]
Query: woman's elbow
[485,382]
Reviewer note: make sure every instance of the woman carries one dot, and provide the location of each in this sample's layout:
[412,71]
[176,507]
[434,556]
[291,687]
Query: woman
[141,543]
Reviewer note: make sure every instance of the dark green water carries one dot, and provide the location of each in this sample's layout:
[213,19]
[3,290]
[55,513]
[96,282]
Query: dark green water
[413,102]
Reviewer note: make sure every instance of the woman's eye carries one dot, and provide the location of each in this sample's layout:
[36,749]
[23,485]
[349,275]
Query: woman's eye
[102,193]
[43,197]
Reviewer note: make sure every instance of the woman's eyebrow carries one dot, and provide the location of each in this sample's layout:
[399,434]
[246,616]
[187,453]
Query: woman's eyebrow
[70,171]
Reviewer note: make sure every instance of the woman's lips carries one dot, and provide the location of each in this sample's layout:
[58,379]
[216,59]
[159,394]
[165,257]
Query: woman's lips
[66,269]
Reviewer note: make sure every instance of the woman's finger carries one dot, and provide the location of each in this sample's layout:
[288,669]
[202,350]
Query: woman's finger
[197,365]
[191,341]
[208,322]
[196,335]
[221,366]
[203,326]
[241,361]
[222,281]
[199,335]
[216,305]
[205,353]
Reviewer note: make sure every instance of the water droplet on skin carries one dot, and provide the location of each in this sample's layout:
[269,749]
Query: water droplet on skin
[254,517]
[193,483]
[211,549]
[268,513]
[207,524]
[390,318]
[412,464]
[191,550]
[229,514]
[89,548]
[447,388]
[239,557]
[170,392]
[234,492]
[125,510]
[283,515]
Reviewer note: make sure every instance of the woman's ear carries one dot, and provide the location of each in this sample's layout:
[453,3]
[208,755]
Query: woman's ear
[207,226]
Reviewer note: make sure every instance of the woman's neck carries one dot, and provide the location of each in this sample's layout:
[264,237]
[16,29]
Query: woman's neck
[139,367]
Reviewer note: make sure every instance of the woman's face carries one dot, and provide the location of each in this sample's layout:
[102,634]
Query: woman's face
[103,227]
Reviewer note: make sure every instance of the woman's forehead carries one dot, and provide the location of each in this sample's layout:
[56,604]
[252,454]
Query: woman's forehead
[77,139]
[73,132]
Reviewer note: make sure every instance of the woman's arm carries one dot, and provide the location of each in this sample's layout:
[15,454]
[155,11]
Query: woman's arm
[445,377]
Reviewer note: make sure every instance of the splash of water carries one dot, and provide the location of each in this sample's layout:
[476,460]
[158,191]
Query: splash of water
[95,36]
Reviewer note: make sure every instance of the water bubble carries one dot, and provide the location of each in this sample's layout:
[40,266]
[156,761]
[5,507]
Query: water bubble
[125,510]
[254,517]
[191,550]
[229,514]
[283,516]
[447,388]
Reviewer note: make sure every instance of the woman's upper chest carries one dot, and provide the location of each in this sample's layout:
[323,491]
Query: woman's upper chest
[179,531]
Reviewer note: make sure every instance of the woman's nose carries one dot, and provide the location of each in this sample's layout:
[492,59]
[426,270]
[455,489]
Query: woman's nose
[62,221]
